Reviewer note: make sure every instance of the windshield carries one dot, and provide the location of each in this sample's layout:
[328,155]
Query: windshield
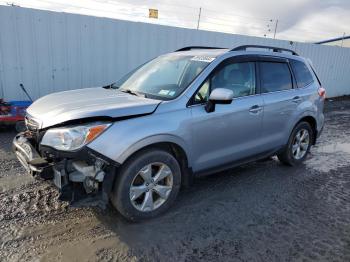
[165,77]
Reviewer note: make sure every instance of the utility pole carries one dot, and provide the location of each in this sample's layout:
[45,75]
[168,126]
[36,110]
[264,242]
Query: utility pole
[342,40]
[199,17]
[274,35]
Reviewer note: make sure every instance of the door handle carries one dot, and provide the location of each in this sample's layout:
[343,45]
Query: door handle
[255,109]
[296,99]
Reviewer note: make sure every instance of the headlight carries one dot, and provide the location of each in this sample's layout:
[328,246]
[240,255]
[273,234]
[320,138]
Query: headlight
[73,138]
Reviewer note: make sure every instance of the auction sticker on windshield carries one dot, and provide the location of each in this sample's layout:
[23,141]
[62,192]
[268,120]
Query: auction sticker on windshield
[164,92]
[203,58]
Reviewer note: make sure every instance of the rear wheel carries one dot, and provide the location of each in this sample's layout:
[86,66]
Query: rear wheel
[146,185]
[298,146]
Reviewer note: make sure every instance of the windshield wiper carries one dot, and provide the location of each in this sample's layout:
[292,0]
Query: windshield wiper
[132,92]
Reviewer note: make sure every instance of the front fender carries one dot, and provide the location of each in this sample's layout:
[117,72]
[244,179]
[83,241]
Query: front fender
[160,138]
[124,138]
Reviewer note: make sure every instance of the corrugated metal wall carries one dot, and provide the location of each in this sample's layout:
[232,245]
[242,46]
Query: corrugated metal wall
[49,51]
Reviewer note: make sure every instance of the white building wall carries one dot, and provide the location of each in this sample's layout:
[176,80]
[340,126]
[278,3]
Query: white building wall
[50,51]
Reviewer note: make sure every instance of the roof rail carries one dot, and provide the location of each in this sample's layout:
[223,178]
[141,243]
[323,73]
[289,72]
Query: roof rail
[187,48]
[274,48]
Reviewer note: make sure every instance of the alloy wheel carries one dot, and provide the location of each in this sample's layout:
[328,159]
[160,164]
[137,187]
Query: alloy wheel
[151,187]
[300,144]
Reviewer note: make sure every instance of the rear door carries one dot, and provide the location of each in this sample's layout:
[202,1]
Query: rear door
[281,99]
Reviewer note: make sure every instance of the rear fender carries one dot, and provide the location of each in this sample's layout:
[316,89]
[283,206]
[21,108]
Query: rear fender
[300,117]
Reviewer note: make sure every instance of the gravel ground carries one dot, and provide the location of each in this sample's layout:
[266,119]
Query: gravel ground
[262,211]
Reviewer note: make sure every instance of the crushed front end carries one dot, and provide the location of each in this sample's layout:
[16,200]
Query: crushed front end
[60,155]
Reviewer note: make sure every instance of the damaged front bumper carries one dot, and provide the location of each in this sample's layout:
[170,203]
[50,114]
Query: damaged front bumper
[80,175]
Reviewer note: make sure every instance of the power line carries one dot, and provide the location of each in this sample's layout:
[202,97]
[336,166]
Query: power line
[237,15]
[228,20]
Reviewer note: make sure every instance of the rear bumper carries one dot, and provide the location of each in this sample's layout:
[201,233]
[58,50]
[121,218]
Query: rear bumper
[320,126]
[319,132]
[12,119]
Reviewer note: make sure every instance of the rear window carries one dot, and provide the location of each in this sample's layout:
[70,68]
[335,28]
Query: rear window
[275,77]
[302,73]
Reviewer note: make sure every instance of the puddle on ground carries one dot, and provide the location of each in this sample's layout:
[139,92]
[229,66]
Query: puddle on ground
[320,157]
[333,148]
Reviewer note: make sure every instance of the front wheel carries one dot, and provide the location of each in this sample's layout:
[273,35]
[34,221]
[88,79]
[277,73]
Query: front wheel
[146,185]
[298,146]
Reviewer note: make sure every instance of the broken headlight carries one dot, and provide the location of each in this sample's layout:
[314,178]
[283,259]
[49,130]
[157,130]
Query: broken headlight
[73,138]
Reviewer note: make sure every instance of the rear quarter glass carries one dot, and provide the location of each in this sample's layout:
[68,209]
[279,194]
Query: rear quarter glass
[302,73]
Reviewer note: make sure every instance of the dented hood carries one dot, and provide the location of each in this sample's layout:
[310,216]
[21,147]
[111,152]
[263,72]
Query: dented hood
[60,107]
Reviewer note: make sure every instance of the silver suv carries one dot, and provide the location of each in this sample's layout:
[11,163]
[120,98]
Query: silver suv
[194,111]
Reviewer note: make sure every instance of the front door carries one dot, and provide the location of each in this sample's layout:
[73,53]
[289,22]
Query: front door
[232,132]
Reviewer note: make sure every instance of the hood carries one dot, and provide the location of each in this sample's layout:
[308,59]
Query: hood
[88,102]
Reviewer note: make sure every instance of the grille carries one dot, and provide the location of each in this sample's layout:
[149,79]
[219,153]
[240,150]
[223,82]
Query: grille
[31,123]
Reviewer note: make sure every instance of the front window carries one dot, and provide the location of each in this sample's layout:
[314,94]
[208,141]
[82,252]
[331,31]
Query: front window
[238,77]
[165,77]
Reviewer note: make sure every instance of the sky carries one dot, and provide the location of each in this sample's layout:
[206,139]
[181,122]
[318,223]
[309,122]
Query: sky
[297,20]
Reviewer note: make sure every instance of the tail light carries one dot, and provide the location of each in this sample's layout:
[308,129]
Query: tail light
[322,92]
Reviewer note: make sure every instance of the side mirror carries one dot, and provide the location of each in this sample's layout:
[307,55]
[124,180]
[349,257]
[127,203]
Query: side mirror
[219,96]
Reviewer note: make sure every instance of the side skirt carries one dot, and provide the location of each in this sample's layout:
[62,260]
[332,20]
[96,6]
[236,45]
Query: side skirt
[236,163]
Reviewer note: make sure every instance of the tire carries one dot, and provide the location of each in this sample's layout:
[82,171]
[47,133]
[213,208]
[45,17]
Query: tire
[289,156]
[135,174]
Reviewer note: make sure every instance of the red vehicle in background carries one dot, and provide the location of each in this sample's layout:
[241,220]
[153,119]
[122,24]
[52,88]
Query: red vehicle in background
[13,112]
